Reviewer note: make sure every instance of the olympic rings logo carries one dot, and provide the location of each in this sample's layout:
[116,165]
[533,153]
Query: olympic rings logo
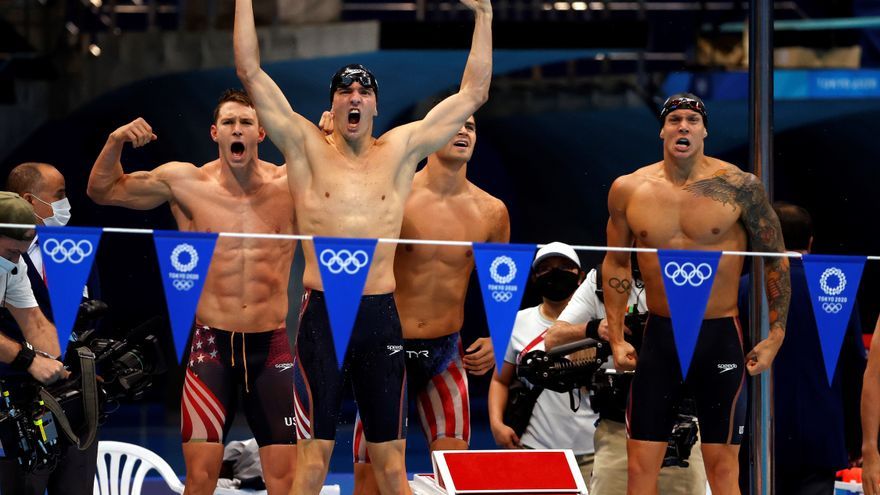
[687,273]
[68,250]
[344,260]
[502,296]
[182,285]
[511,270]
[841,281]
[193,258]
[832,308]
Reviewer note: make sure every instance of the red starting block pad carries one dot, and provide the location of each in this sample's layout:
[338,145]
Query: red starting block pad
[522,472]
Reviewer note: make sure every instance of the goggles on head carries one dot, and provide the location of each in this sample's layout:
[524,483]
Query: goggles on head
[684,103]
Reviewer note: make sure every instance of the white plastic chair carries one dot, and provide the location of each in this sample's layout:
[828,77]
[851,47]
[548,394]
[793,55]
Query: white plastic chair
[134,461]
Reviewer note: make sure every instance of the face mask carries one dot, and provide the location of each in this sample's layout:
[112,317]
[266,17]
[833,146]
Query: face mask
[557,285]
[60,212]
[6,265]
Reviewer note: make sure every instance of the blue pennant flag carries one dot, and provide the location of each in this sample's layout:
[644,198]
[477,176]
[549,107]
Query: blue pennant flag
[344,264]
[833,283]
[184,258]
[687,278]
[502,270]
[68,254]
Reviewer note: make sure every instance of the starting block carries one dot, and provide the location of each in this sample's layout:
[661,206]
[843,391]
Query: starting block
[524,472]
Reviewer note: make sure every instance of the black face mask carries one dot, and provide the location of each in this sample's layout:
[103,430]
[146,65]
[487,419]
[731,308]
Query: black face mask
[557,285]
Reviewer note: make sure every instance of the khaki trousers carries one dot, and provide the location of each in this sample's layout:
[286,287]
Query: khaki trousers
[609,467]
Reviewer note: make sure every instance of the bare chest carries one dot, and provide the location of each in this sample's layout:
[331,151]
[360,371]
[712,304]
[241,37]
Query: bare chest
[349,188]
[429,218]
[676,218]
[345,198]
[209,207]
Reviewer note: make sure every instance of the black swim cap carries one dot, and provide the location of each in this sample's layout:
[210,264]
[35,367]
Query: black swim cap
[688,101]
[350,74]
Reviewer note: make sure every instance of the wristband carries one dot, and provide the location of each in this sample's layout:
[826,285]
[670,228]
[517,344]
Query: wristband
[24,358]
[592,331]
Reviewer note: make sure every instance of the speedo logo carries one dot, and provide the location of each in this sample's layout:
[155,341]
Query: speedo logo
[283,366]
[394,349]
[724,368]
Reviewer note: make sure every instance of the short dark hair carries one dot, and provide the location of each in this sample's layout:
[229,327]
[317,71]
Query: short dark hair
[236,95]
[25,178]
[797,225]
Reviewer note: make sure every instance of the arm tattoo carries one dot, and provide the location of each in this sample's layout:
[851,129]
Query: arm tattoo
[744,191]
[622,286]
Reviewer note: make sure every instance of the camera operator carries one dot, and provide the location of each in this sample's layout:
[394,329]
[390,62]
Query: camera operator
[552,424]
[44,188]
[33,351]
[585,316]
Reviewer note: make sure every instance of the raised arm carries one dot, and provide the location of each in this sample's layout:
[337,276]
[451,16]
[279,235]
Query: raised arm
[444,120]
[617,266]
[765,234]
[285,127]
[110,185]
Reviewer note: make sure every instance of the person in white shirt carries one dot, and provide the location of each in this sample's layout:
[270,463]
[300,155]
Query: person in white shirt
[553,425]
[44,187]
[34,350]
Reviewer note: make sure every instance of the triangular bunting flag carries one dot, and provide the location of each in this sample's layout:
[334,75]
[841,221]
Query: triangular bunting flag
[68,254]
[184,258]
[502,270]
[687,278]
[344,264]
[833,282]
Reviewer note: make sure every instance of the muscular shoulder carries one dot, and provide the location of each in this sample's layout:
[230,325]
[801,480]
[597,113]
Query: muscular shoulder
[487,202]
[729,185]
[274,172]
[497,218]
[624,186]
[174,172]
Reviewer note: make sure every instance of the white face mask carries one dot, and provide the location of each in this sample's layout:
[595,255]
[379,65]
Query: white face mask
[60,212]
[6,265]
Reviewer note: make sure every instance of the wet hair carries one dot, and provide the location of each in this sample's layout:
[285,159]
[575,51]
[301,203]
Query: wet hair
[25,178]
[234,95]
[797,225]
[687,101]
[350,74]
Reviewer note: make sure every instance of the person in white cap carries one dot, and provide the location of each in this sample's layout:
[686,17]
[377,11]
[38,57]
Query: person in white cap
[556,274]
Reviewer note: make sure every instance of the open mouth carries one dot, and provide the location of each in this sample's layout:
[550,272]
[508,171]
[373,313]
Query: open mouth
[354,116]
[682,144]
[461,143]
[237,150]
